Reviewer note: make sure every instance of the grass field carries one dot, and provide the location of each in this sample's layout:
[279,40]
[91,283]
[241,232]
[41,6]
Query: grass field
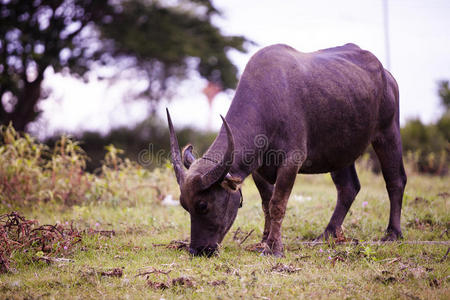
[108,266]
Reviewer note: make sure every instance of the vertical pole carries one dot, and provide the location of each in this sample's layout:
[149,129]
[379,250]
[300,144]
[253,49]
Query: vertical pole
[386,34]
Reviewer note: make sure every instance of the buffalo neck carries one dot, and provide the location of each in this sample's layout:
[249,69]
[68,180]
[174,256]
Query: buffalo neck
[247,137]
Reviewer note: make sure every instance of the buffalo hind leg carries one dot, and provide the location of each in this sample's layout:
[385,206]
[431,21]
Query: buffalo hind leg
[265,190]
[388,147]
[347,186]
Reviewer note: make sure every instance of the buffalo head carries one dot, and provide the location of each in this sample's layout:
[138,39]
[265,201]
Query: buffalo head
[208,192]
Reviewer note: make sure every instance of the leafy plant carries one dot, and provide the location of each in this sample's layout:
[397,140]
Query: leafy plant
[369,253]
[31,173]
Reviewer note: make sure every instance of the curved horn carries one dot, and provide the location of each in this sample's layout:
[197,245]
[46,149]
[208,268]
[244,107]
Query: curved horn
[175,152]
[187,156]
[219,171]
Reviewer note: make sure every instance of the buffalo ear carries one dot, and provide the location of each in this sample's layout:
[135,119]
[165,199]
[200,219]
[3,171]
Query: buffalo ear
[187,157]
[231,183]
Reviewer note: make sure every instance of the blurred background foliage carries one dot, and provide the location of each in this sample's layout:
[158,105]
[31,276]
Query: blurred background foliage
[428,144]
[147,143]
[32,172]
[162,42]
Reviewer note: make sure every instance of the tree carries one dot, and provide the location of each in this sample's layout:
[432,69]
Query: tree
[35,35]
[444,123]
[430,142]
[163,42]
[444,94]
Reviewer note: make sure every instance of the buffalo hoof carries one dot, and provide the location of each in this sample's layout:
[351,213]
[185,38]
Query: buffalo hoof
[336,235]
[325,236]
[392,235]
[273,249]
[277,254]
[203,251]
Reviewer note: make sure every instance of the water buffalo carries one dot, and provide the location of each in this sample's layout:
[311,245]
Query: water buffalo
[293,113]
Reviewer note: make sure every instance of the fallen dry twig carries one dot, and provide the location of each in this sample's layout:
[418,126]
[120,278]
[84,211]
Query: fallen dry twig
[179,281]
[282,268]
[19,234]
[49,259]
[240,236]
[175,244]
[152,270]
[246,237]
[379,243]
[445,256]
[116,272]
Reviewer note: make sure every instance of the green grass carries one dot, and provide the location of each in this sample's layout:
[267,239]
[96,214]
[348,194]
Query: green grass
[396,270]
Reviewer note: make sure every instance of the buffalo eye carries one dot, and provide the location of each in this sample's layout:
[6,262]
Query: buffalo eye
[201,207]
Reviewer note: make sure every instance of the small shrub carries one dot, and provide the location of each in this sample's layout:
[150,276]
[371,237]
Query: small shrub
[426,147]
[31,173]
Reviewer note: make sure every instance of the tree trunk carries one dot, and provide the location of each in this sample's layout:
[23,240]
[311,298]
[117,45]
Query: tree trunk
[25,110]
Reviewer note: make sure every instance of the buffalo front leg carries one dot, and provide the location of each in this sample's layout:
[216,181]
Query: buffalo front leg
[266,191]
[388,147]
[347,186]
[286,175]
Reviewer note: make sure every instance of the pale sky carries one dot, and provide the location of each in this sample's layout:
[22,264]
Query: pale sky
[419,43]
